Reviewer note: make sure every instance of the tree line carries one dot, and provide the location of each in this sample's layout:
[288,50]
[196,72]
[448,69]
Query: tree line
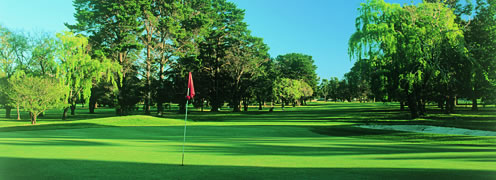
[122,53]
[415,54]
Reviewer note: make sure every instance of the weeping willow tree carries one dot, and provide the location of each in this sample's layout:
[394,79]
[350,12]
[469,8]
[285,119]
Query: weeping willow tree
[78,70]
[404,45]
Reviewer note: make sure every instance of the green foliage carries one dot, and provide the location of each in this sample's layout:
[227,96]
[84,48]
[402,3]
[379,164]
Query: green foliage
[289,90]
[37,94]
[359,80]
[298,66]
[7,53]
[15,52]
[4,90]
[113,28]
[306,90]
[43,55]
[323,90]
[78,70]
[408,42]
[480,37]
[334,88]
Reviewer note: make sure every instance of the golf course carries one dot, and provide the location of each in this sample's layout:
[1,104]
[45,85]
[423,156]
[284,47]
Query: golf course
[248,89]
[318,141]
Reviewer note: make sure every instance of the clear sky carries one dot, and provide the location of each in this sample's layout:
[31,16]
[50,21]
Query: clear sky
[320,28]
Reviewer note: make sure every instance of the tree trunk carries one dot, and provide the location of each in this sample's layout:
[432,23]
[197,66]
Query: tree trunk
[474,104]
[440,104]
[8,109]
[73,109]
[422,107]
[160,100]
[18,113]
[119,110]
[64,114]
[160,109]
[92,106]
[236,105]
[260,107]
[92,101]
[182,108]
[450,105]
[245,104]
[402,105]
[33,118]
[419,107]
[148,93]
[214,106]
[412,105]
[146,106]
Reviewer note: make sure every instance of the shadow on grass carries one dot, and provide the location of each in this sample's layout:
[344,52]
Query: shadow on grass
[51,142]
[56,115]
[484,158]
[401,136]
[52,127]
[15,168]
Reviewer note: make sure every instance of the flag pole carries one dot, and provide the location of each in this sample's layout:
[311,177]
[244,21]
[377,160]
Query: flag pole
[185,117]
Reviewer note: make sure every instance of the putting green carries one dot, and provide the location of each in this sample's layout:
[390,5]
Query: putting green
[305,143]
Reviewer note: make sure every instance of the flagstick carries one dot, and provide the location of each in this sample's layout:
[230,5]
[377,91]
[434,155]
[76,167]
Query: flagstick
[185,117]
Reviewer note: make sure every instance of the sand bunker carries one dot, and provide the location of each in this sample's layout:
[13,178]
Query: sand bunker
[431,129]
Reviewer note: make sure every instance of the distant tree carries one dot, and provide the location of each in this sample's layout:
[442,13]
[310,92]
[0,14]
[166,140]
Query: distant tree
[226,36]
[102,94]
[264,82]
[359,80]
[7,68]
[323,90]
[5,88]
[334,88]
[182,26]
[21,49]
[37,94]
[344,91]
[79,70]
[480,37]
[244,63]
[113,28]
[287,90]
[410,38]
[307,92]
[298,66]
[43,54]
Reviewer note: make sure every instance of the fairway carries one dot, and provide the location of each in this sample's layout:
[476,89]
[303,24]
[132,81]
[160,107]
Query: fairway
[314,142]
[238,89]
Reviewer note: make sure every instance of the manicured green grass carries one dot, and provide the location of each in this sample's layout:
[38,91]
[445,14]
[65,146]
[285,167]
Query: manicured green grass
[317,141]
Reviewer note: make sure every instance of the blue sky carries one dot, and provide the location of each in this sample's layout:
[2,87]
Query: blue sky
[320,28]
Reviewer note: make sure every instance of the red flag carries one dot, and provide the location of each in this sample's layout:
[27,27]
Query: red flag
[191,87]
